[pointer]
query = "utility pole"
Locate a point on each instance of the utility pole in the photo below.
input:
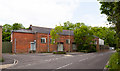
(70, 39)
(48, 42)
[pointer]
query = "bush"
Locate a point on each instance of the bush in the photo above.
(59, 52)
(114, 61)
(45, 52)
(32, 51)
(2, 60)
(118, 50)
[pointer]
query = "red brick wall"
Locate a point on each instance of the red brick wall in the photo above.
(97, 46)
(22, 42)
(52, 47)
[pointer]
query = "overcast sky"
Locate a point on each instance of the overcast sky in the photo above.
(48, 13)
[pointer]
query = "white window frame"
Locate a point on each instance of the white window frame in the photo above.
(68, 41)
(44, 39)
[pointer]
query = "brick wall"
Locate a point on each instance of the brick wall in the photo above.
(97, 46)
(43, 47)
(22, 42)
(0, 42)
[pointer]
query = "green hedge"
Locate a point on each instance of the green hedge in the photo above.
(59, 52)
(114, 62)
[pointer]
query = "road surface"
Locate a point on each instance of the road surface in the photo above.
(56, 62)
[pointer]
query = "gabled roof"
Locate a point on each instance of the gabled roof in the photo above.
(23, 31)
(47, 30)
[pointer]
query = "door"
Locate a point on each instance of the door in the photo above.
(33, 46)
(60, 47)
(74, 47)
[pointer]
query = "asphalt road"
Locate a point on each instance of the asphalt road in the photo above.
(56, 62)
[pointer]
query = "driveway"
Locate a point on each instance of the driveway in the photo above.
(56, 62)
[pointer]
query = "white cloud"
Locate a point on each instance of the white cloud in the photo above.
(45, 13)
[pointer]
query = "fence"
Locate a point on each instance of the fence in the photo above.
(6, 47)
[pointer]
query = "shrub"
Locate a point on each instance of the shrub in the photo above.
(2, 60)
(32, 51)
(59, 52)
(118, 50)
(114, 61)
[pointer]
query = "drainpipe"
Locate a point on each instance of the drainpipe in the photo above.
(48, 42)
(15, 47)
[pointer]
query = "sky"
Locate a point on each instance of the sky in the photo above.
(49, 13)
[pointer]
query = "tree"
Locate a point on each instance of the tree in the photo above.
(6, 33)
(70, 26)
(55, 33)
(112, 10)
(83, 37)
(107, 34)
(17, 26)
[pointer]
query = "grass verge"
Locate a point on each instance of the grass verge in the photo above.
(114, 62)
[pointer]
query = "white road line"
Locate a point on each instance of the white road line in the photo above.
(65, 66)
(83, 59)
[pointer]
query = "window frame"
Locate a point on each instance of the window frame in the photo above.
(43, 39)
(68, 41)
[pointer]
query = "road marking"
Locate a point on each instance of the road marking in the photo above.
(65, 66)
(83, 59)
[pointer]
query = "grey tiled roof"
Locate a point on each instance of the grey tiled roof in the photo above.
(23, 31)
(47, 30)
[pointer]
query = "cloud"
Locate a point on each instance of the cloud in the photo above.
(46, 13)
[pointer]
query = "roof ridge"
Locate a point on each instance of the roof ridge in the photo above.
(42, 27)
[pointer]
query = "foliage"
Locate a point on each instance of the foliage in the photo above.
(83, 37)
(70, 26)
(17, 26)
(114, 62)
(2, 60)
(118, 50)
(112, 10)
(59, 52)
(107, 34)
(55, 33)
(6, 33)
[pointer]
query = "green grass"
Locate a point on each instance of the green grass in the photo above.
(114, 62)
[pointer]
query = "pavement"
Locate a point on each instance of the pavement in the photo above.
(51, 61)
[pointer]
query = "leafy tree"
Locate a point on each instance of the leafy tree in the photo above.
(112, 10)
(55, 33)
(17, 26)
(6, 33)
(107, 34)
(83, 37)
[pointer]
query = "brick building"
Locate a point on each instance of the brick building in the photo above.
(0, 42)
(38, 39)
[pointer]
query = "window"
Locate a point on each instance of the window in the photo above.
(43, 40)
(95, 42)
(68, 41)
(51, 41)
